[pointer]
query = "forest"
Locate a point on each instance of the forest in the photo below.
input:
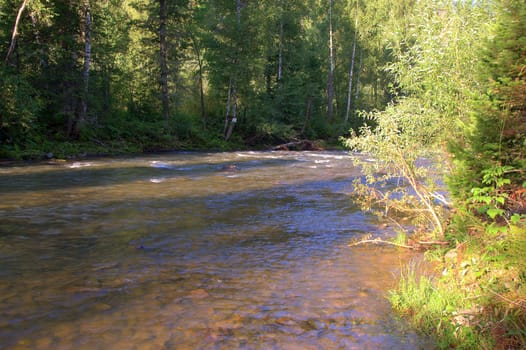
(110, 76)
(401, 80)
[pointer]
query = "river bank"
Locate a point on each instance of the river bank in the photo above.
(82, 150)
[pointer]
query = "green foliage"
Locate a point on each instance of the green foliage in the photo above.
(273, 53)
(19, 109)
(496, 136)
(476, 299)
(433, 74)
(491, 199)
(401, 180)
(447, 92)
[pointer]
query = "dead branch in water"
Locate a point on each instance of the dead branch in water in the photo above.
(380, 241)
(303, 145)
(415, 245)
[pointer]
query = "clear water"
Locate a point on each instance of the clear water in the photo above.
(244, 250)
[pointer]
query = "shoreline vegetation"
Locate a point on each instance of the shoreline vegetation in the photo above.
(471, 126)
(80, 150)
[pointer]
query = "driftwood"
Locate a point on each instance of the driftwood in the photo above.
(302, 145)
(413, 245)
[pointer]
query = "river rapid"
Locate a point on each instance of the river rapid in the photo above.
(238, 250)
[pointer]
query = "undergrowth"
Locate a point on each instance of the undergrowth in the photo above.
(476, 299)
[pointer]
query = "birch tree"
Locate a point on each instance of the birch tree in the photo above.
(231, 117)
(351, 71)
(15, 30)
(330, 78)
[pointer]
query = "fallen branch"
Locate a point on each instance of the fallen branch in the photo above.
(521, 303)
(303, 145)
(415, 245)
(380, 241)
(433, 243)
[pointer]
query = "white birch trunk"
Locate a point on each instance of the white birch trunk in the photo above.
(280, 52)
(330, 80)
(15, 30)
(351, 73)
(351, 70)
(231, 119)
(360, 60)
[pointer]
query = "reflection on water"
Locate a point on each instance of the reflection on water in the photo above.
(192, 251)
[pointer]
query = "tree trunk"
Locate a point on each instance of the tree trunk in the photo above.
(200, 82)
(163, 60)
(280, 53)
(36, 32)
(227, 114)
(360, 60)
(308, 109)
(71, 93)
(239, 6)
(15, 30)
(231, 118)
(87, 60)
(351, 72)
(330, 80)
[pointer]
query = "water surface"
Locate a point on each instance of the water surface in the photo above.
(245, 250)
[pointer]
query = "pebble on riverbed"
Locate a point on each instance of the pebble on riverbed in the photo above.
(230, 167)
(198, 294)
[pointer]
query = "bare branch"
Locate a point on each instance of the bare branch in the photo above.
(380, 241)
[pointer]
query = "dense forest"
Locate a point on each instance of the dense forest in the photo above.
(139, 75)
(405, 81)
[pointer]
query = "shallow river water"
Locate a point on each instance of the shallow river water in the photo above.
(245, 250)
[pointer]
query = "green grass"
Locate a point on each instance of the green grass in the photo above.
(476, 297)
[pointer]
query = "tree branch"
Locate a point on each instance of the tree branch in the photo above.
(380, 241)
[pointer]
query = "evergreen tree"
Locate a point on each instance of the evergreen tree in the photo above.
(496, 137)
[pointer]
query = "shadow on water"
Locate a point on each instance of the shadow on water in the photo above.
(256, 267)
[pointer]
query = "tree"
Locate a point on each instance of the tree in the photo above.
(330, 78)
(494, 142)
(351, 71)
(163, 59)
(87, 61)
(434, 76)
(15, 30)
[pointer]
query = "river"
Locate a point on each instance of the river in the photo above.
(238, 250)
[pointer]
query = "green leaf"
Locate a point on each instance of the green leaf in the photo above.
(502, 182)
(516, 218)
(500, 200)
(495, 229)
(482, 199)
(494, 212)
